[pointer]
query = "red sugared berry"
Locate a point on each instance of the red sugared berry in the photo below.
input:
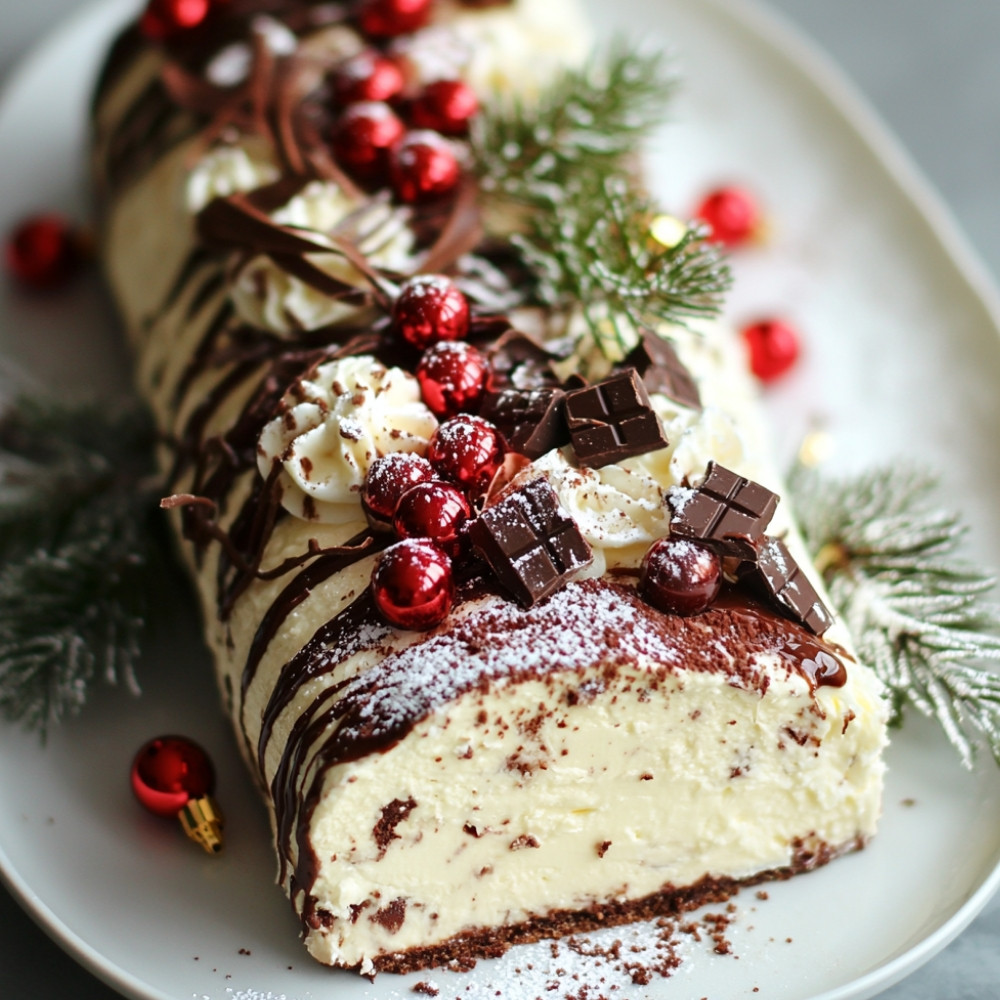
(731, 215)
(412, 584)
(363, 137)
(452, 377)
(467, 450)
(773, 347)
(389, 477)
(432, 510)
(680, 577)
(429, 309)
(368, 76)
(165, 19)
(42, 251)
(388, 18)
(446, 106)
(422, 167)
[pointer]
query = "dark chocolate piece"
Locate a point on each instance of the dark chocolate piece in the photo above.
(612, 420)
(517, 361)
(530, 542)
(726, 510)
(778, 579)
(662, 371)
(532, 420)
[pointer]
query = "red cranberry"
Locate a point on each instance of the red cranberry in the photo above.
(731, 215)
(362, 138)
(164, 19)
(680, 577)
(368, 76)
(412, 584)
(467, 450)
(432, 510)
(429, 309)
(773, 346)
(422, 167)
(388, 18)
(388, 478)
(446, 106)
(43, 251)
(452, 376)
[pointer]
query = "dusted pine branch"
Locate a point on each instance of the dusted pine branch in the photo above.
(78, 537)
(916, 610)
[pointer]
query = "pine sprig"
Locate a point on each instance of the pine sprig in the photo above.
(916, 609)
(78, 541)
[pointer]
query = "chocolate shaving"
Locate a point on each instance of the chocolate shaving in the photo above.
(461, 233)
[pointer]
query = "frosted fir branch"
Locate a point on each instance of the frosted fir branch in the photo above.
(915, 607)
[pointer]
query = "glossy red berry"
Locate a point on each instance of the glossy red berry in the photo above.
(368, 76)
(422, 167)
(452, 377)
(165, 19)
(430, 308)
(363, 137)
(168, 772)
(467, 450)
(412, 584)
(433, 510)
(388, 478)
(773, 348)
(389, 18)
(43, 251)
(679, 576)
(731, 214)
(446, 106)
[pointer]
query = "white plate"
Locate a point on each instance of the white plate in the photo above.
(903, 359)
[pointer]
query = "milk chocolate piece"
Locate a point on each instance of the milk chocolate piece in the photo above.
(727, 511)
(530, 541)
(612, 420)
(532, 420)
(662, 371)
(778, 579)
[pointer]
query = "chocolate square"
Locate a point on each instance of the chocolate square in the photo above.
(530, 542)
(662, 371)
(613, 420)
(533, 421)
(778, 579)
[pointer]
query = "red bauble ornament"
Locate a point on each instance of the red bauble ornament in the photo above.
(43, 251)
(452, 377)
(173, 776)
(165, 19)
(680, 577)
(422, 167)
(467, 450)
(773, 346)
(368, 76)
(435, 511)
(363, 137)
(446, 106)
(429, 309)
(731, 215)
(389, 477)
(389, 18)
(412, 584)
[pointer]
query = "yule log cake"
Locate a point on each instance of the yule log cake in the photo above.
(515, 635)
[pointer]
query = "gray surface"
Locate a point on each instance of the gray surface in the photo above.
(931, 69)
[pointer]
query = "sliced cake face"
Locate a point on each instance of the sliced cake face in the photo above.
(538, 745)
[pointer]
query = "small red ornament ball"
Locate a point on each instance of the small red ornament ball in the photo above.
(452, 377)
(773, 348)
(429, 309)
(368, 76)
(680, 577)
(412, 584)
(388, 478)
(170, 771)
(165, 19)
(468, 451)
(433, 510)
(731, 214)
(363, 137)
(446, 106)
(43, 251)
(389, 18)
(422, 167)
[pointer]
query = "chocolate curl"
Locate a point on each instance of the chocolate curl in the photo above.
(461, 233)
(235, 223)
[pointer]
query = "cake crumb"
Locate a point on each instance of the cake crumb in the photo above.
(428, 989)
